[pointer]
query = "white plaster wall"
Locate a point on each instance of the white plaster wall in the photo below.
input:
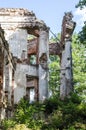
(18, 94)
(31, 70)
(43, 43)
(20, 80)
(17, 40)
(62, 76)
(43, 84)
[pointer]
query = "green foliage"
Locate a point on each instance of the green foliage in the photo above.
(51, 104)
(54, 74)
(77, 126)
(29, 114)
(81, 4)
(54, 69)
(7, 123)
(33, 59)
(56, 120)
(32, 115)
(55, 39)
(19, 127)
(79, 67)
(82, 33)
(67, 115)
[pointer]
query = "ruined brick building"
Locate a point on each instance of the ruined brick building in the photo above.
(24, 78)
(24, 61)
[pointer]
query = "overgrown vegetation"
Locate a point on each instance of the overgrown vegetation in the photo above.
(54, 75)
(82, 33)
(53, 114)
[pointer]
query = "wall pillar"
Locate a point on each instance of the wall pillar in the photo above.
(43, 64)
(3, 89)
(10, 85)
(66, 71)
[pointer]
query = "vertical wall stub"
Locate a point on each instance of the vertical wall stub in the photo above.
(66, 76)
(43, 64)
(66, 71)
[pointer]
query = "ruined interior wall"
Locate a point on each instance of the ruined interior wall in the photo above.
(1, 72)
(20, 79)
(54, 48)
(17, 41)
(32, 46)
(7, 68)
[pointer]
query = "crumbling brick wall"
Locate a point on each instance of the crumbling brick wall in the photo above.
(6, 75)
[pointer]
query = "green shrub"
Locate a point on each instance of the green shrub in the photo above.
(7, 123)
(75, 98)
(56, 120)
(30, 114)
(78, 126)
(65, 113)
(19, 127)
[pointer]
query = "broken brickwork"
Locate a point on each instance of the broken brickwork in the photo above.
(7, 67)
